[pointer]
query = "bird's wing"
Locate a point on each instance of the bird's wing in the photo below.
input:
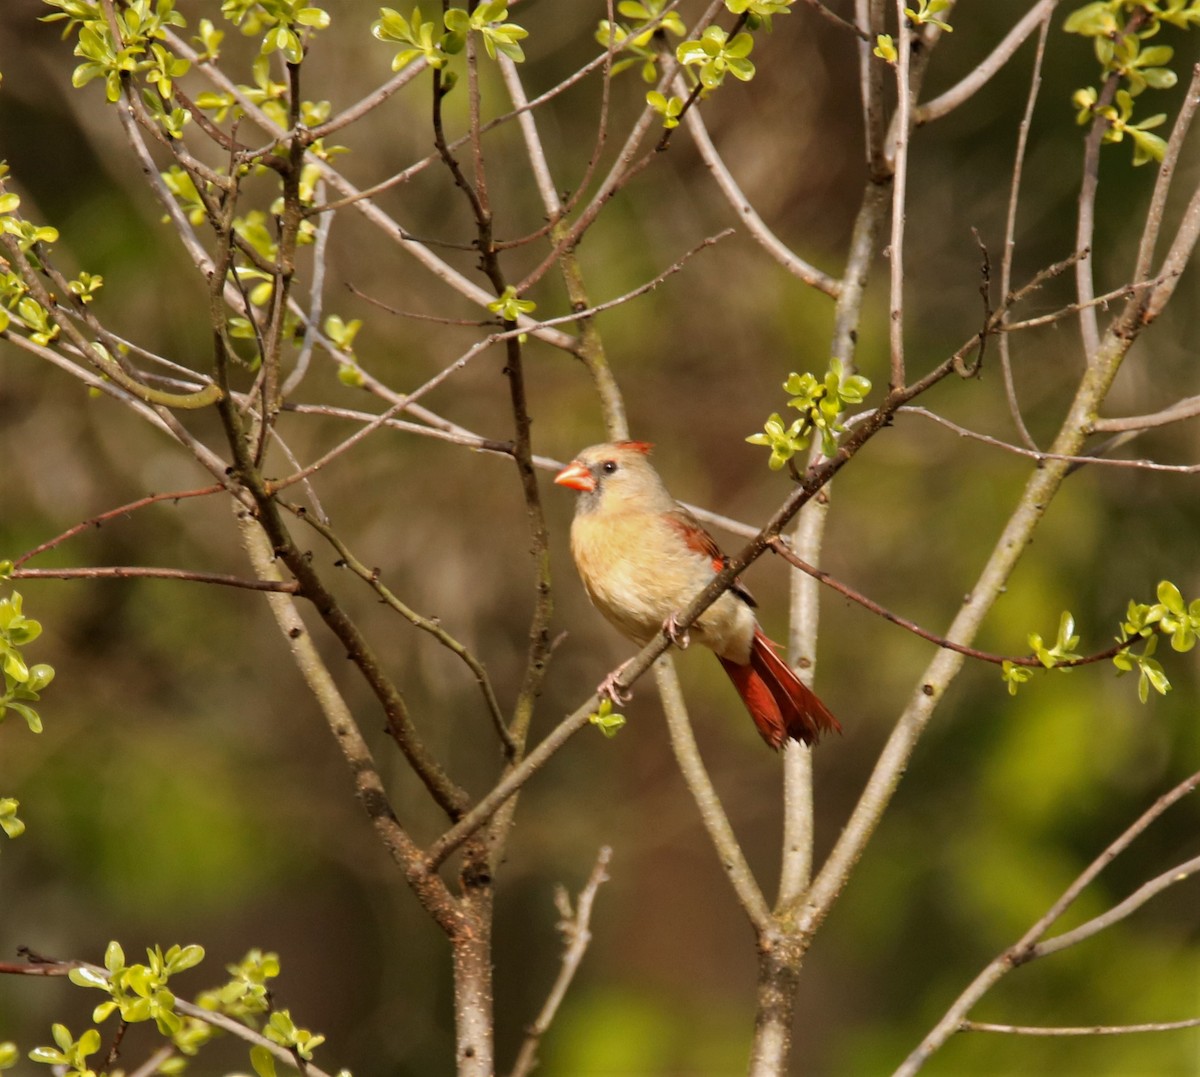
(696, 538)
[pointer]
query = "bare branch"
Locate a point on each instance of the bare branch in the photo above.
(991, 65)
(1085, 1030)
(1166, 173)
(576, 930)
(712, 813)
(142, 572)
(1023, 949)
(1010, 227)
(426, 624)
(1187, 408)
(1118, 912)
(902, 126)
(1074, 459)
(740, 204)
(430, 890)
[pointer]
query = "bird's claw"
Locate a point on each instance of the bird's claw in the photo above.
(680, 637)
(612, 688)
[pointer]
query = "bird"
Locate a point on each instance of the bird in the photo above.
(643, 558)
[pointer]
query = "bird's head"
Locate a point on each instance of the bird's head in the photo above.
(618, 473)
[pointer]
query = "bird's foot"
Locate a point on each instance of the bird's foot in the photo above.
(611, 687)
(682, 638)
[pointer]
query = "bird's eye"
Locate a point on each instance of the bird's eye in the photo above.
(608, 467)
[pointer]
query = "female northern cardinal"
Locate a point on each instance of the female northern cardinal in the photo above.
(643, 557)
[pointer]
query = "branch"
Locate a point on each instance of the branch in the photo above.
(1010, 228)
(712, 813)
(104, 517)
(1039, 491)
(1024, 949)
(902, 125)
(430, 890)
(1118, 912)
(1166, 173)
(1188, 408)
(130, 572)
(1086, 223)
(780, 545)
(983, 72)
(433, 627)
(509, 784)
(1085, 1030)
(387, 226)
(837, 20)
(39, 966)
(740, 204)
(1075, 460)
(100, 360)
(404, 402)
(576, 931)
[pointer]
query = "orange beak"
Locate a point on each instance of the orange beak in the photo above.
(577, 477)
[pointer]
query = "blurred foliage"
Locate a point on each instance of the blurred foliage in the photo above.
(184, 787)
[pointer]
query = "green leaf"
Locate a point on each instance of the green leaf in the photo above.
(1014, 676)
(606, 719)
(263, 1061)
(12, 826)
(509, 306)
(114, 957)
(85, 977)
(1092, 20)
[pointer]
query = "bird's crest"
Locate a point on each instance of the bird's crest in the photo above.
(643, 447)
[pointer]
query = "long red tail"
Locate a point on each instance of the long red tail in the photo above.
(781, 705)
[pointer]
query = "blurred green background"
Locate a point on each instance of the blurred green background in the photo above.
(185, 789)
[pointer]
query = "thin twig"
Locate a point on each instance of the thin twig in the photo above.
(1187, 408)
(426, 624)
(712, 812)
(1084, 1030)
(1166, 173)
(142, 572)
(985, 70)
(103, 517)
(1010, 225)
(1118, 912)
(1074, 459)
(746, 212)
(837, 20)
(781, 546)
(1022, 950)
(576, 929)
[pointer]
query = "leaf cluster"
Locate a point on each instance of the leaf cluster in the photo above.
(436, 42)
(285, 24)
(821, 405)
(23, 683)
(608, 721)
(1119, 30)
(141, 993)
(715, 54)
(1171, 616)
(648, 26)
